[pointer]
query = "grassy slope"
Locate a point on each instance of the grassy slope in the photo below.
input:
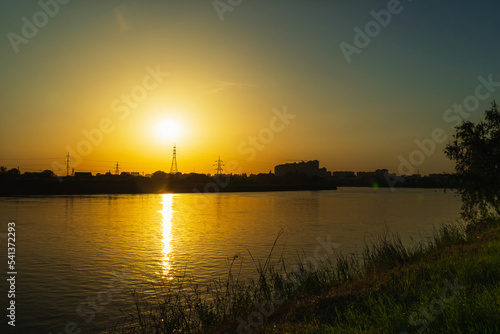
(412, 297)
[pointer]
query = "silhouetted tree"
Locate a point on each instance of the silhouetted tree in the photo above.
(47, 174)
(159, 174)
(476, 152)
(13, 172)
(3, 169)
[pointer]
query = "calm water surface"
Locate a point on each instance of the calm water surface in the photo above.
(73, 251)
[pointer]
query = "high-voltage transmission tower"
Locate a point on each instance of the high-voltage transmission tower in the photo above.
(117, 168)
(219, 165)
(173, 166)
(67, 164)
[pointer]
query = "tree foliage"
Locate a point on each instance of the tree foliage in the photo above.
(47, 174)
(13, 172)
(475, 148)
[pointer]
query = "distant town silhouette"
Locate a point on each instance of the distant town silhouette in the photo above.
(304, 175)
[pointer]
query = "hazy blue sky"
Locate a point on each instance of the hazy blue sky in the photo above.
(226, 77)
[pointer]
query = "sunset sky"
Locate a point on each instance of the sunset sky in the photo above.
(229, 79)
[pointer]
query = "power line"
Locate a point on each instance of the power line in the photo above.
(173, 166)
(219, 165)
(67, 164)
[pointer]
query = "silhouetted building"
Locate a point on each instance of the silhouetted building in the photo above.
(83, 175)
(344, 175)
(309, 168)
(324, 173)
(381, 172)
(414, 177)
(365, 174)
(378, 174)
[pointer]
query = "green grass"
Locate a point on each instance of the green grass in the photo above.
(446, 285)
(412, 296)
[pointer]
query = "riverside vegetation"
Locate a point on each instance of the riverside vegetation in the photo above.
(447, 284)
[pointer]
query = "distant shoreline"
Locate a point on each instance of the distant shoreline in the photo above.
(22, 192)
(118, 187)
(46, 183)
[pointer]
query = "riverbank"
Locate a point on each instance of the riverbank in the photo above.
(449, 284)
(451, 289)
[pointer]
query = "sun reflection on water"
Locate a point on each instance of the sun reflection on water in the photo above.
(167, 214)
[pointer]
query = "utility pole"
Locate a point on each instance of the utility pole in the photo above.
(219, 165)
(173, 166)
(117, 168)
(67, 164)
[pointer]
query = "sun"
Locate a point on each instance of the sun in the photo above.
(169, 129)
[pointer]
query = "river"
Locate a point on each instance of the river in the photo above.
(76, 251)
